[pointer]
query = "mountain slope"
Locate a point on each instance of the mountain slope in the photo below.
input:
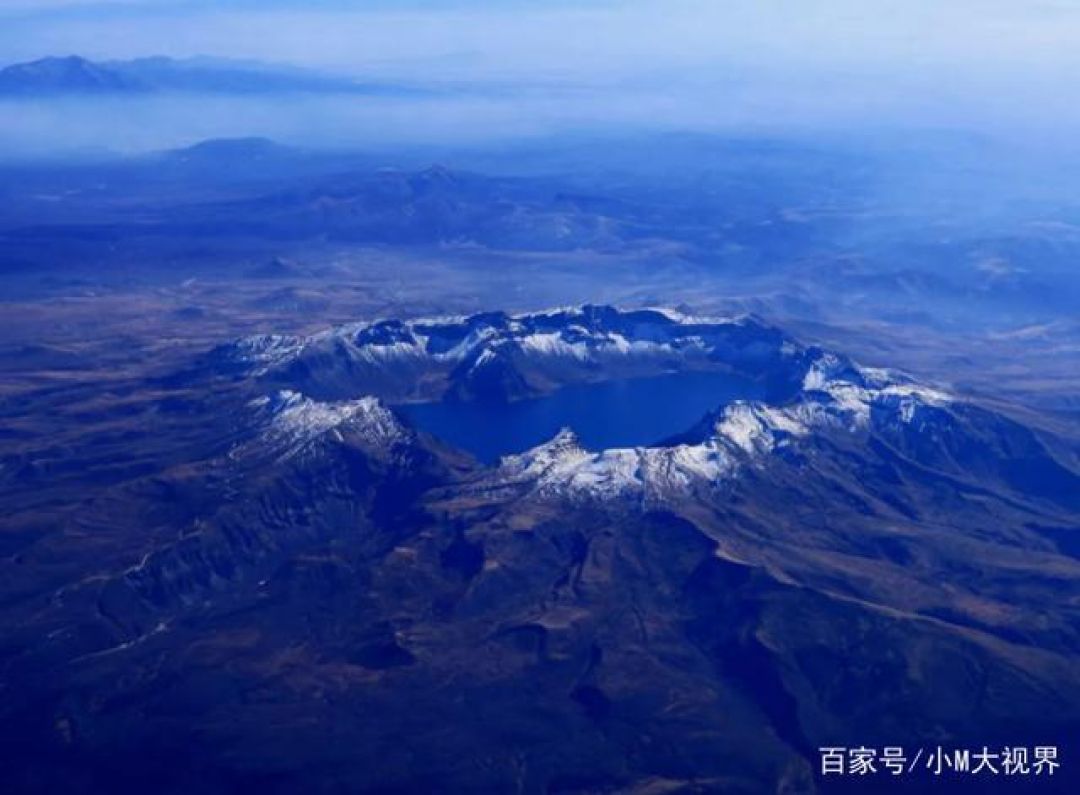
(307, 594)
(74, 75)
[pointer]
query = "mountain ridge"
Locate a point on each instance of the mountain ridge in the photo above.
(75, 75)
(851, 561)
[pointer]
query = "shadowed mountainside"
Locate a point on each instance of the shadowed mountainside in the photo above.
(312, 593)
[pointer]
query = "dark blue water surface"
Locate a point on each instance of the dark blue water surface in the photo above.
(628, 413)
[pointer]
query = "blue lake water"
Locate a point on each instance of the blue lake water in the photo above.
(628, 413)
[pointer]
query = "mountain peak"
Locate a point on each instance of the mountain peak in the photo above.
(243, 147)
(74, 74)
(71, 73)
(296, 420)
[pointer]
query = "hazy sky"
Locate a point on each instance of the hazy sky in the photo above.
(1006, 65)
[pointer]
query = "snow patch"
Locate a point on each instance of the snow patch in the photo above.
(298, 419)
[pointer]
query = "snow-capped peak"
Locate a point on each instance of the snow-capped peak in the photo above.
(262, 352)
(298, 419)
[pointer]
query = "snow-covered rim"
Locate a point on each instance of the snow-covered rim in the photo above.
(833, 392)
(578, 310)
(743, 434)
(270, 346)
(265, 353)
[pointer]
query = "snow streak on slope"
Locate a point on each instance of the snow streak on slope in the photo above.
(739, 436)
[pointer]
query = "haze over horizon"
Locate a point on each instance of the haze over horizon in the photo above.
(510, 70)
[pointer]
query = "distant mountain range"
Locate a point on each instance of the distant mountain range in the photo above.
(74, 75)
(269, 199)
